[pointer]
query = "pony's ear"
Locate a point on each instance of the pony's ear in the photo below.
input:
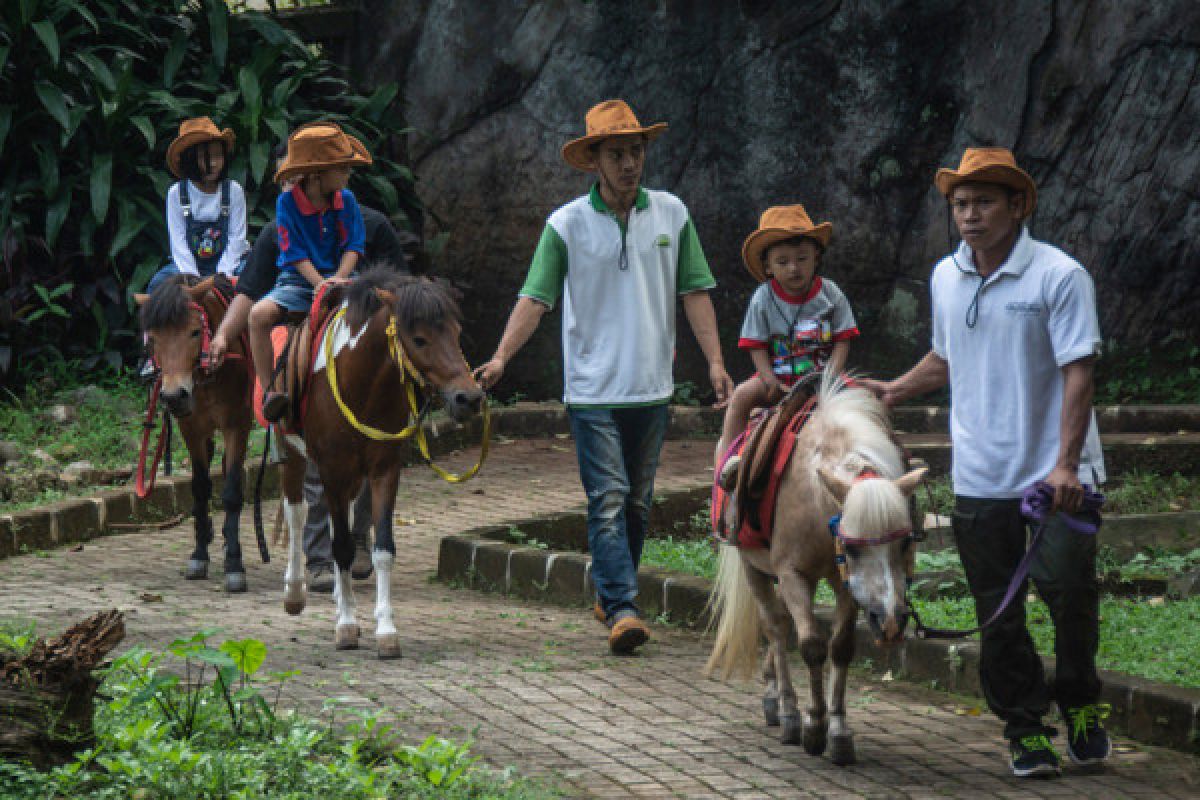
(907, 483)
(199, 290)
(140, 298)
(836, 484)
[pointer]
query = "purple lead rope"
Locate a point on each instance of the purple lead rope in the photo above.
(1037, 506)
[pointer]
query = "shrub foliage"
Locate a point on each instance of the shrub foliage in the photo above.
(91, 94)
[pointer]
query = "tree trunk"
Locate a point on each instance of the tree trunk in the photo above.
(46, 697)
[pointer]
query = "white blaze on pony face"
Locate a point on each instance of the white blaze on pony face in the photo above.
(875, 534)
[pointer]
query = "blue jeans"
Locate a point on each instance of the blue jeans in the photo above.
(618, 452)
(170, 269)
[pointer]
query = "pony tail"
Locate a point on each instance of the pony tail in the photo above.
(733, 611)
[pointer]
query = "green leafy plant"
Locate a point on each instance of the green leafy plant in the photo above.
(163, 732)
(686, 394)
(91, 93)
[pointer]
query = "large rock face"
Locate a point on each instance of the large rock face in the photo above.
(848, 107)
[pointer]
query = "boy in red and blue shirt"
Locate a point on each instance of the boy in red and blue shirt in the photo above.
(321, 236)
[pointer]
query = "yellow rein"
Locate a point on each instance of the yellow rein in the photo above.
(411, 378)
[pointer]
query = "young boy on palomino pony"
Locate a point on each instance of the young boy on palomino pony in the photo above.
(321, 236)
(797, 324)
(618, 256)
(1015, 334)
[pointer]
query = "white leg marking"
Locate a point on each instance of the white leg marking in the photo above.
(343, 593)
(293, 576)
(384, 624)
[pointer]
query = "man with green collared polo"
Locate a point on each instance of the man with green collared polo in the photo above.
(618, 257)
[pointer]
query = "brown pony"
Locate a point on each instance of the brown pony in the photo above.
(394, 330)
(179, 318)
(846, 460)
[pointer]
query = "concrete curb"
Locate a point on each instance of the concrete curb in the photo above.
(484, 558)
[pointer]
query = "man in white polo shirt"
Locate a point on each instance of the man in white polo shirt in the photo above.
(618, 256)
(1015, 334)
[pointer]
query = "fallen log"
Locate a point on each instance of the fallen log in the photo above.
(47, 696)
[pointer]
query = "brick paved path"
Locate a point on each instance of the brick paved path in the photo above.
(534, 686)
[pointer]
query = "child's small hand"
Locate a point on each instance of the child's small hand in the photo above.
(216, 350)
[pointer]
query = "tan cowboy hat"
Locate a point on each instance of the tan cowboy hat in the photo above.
(778, 224)
(989, 165)
(195, 131)
(604, 120)
(320, 145)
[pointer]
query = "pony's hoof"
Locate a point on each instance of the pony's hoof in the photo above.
(389, 645)
(197, 570)
(361, 568)
(791, 728)
(814, 739)
(841, 750)
(771, 710)
(235, 582)
(346, 637)
(293, 598)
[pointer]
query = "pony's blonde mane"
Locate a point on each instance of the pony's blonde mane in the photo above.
(859, 420)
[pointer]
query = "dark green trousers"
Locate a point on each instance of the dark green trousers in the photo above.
(992, 537)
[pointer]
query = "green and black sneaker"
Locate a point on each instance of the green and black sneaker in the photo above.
(1034, 757)
(1087, 741)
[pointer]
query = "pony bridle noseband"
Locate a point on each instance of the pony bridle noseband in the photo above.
(841, 540)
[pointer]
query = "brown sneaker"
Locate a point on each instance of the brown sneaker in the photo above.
(274, 406)
(598, 613)
(627, 634)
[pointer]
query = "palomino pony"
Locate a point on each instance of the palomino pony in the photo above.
(179, 318)
(391, 334)
(845, 459)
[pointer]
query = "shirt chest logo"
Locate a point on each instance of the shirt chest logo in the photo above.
(1023, 308)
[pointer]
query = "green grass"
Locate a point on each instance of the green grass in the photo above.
(1155, 640)
(689, 556)
(105, 431)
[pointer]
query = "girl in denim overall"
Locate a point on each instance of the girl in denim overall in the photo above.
(206, 211)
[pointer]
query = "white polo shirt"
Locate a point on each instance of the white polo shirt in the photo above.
(618, 283)
(1032, 316)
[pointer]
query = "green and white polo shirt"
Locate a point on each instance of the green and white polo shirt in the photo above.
(618, 285)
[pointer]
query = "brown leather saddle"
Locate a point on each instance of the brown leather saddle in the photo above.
(758, 454)
(293, 365)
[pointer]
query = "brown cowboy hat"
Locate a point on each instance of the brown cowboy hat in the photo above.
(195, 131)
(604, 120)
(320, 145)
(989, 165)
(778, 224)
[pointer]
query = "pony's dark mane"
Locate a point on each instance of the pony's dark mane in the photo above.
(169, 305)
(419, 301)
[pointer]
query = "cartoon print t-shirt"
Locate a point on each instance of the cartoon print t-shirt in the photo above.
(797, 331)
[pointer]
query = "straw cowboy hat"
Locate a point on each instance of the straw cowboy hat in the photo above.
(989, 165)
(320, 145)
(778, 224)
(195, 131)
(610, 118)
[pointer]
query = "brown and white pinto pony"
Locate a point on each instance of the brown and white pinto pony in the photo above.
(371, 383)
(846, 461)
(178, 319)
